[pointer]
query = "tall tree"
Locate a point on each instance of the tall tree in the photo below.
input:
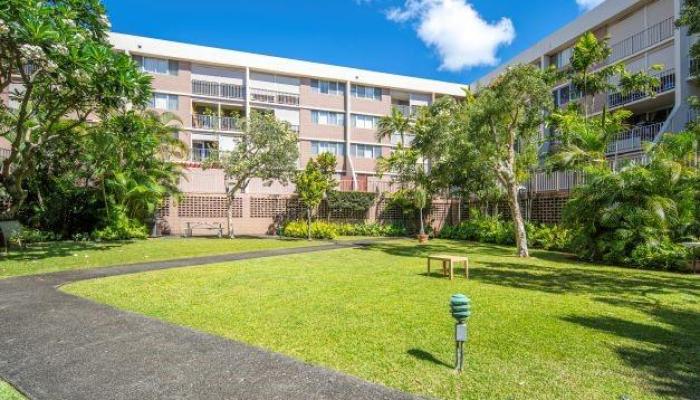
(59, 54)
(395, 123)
(505, 120)
(268, 151)
(314, 183)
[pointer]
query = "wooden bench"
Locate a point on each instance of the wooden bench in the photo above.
(190, 226)
(449, 262)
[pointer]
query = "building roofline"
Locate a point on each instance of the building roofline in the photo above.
(287, 66)
(603, 13)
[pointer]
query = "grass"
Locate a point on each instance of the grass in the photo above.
(546, 327)
(7, 392)
(58, 256)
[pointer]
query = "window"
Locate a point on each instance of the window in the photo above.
(366, 92)
(327, 118)
(164, 101)
(327, 87)
(157, 65)
(335, 148)
(365, 121)
(365, 151)
(562, 59)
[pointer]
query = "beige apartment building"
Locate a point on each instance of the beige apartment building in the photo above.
(334, 109)
(641, 34)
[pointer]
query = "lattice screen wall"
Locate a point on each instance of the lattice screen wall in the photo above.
(208, 206)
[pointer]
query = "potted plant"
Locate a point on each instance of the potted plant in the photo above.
(420, 201)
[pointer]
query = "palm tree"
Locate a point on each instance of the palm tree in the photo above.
(396, 123)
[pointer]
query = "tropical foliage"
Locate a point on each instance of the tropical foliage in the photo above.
(313, 183)
(637, 216)
(504, 123)
(109, 178)
(66, 66)
(267, 152)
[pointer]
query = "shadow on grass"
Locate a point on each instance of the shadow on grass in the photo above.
(425, 356)
(40, 251)
(669, 357)
(583, 280)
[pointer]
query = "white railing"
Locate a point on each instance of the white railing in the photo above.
(217, 89)
(406, 110)
(214, 123)
(555, 181)
(634, 138)
(201, 154)
(641, 40)
(274, 97)
(667, 80)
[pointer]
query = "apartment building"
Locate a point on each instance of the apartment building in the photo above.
(334, 109)
(641, 34)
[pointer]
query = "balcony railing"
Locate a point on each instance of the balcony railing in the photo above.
(216, 89)
(633, 139)
(201, 154)
(641, 40)
(406, 110)
(667, 80)
(370, 186)
(214, 123)
(555, 181)
(274, 97)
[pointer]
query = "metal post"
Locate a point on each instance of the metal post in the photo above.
(460, 306)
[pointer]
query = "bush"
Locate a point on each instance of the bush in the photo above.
(488, 229)
(29, 235)
(121, 227)
(665, 255)
(331, 230)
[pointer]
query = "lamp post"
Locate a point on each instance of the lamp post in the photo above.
(460, 307)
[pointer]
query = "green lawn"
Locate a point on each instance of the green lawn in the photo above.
(542, 328)
(58, 256)
(7, 392)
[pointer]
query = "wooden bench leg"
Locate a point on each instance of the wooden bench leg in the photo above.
(452, 270)
(466, 268)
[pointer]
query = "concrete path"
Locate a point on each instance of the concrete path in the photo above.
(57, 346)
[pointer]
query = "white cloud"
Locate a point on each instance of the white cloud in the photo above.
(462, 38)
(588, 4)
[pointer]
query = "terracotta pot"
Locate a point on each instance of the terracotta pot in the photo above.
(423, 238)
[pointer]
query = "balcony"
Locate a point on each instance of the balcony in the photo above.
(274, 97)
(201, 154)
(667, 80)
(556, 181)
(642, 40)
(216, 89)
(633, 139)
(214, 123)
(406, 110)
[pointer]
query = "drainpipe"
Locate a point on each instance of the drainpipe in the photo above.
(348, 122)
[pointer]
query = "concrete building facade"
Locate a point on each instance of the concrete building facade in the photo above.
(333, 109)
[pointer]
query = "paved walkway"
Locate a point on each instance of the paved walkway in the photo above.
(57, 346)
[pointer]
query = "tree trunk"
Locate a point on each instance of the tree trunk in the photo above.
(308, 223)
(520, 234)
(422, 227)
(229, 217)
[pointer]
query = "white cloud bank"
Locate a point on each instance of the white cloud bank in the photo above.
(462, 38)
(588, 4)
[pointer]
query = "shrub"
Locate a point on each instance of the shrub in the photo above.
(29, 235)
(665, 255)
(121, 227)
(331, 230)
(491, 229)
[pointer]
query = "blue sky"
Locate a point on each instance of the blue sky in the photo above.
(452, 40)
